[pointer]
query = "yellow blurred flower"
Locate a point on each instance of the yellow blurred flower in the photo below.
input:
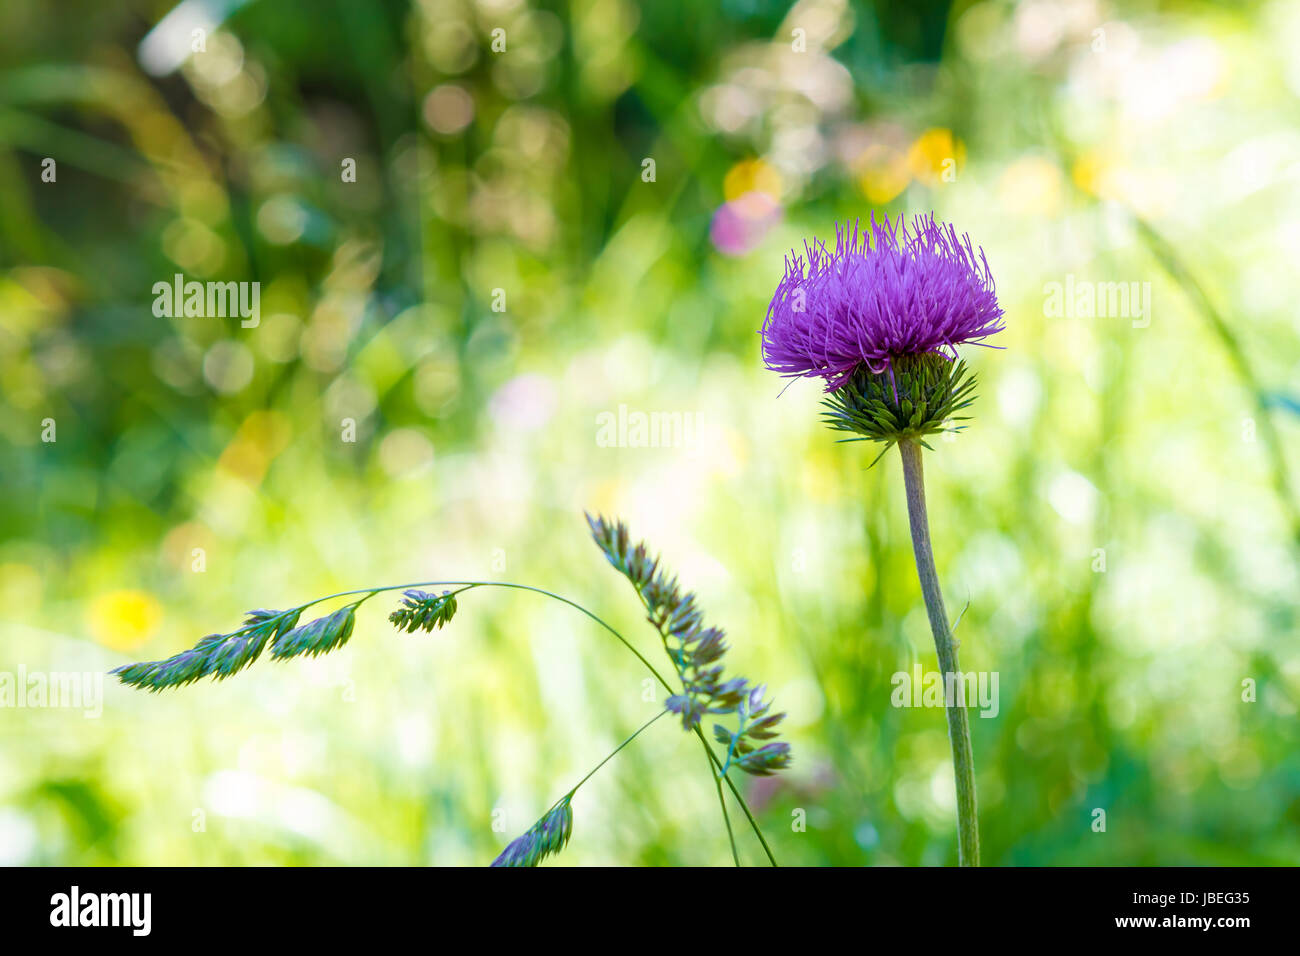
(1031, 186)
(937, 157)
(1092, 173)
(123, 620)
(261, 437)
(751, 176)
(884, 174)
(1149, 192)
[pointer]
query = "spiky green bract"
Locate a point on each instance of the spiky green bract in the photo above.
(218, 655)
(548, 835)
(695, 650)
(319, 637)
(916, 396)
(422, 611)
(755, 724)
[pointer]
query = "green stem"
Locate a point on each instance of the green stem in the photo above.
(467, 585)
(1182, 275)
(613, 753)
(753, 824)
(963, 761)
(726, 818)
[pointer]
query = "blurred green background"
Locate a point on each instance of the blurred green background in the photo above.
(506, 273)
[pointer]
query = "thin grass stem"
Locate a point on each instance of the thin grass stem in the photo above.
(612, 754)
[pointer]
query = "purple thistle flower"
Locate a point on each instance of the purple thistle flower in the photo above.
(882, 294)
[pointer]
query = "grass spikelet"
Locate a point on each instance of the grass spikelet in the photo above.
(422, 611)
(319, 637)
(217, 655)
(696, 652)
(548, 835)
(755, 724)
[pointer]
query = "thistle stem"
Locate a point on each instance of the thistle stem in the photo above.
(963, 761)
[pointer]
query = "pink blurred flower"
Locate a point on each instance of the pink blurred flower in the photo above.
(740, 225)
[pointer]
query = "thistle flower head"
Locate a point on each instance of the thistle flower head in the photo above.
(880, 319)
(891, 291)
(548, 835)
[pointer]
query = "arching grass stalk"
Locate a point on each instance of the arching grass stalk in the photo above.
(695, 653)
(717, 768)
